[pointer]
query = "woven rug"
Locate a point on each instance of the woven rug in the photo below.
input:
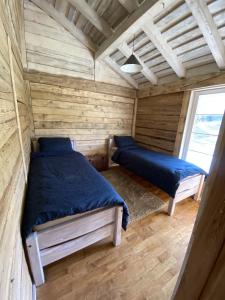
(140, 201)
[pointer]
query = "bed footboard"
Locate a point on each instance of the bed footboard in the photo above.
(57, 241)
(190, 186)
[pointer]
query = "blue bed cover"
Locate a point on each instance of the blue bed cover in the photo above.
(63, 184)
(164, 171)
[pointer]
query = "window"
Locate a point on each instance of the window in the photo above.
(204, 118)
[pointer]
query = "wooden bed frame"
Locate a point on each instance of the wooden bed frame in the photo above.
(56, 239)
(190, 186)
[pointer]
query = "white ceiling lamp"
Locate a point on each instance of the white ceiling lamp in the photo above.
(132, 64)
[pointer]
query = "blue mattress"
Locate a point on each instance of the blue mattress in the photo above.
(162, 170)
(63, 184)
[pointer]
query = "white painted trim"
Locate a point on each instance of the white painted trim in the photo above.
(188, 124)
(34, 292)
(191, 115)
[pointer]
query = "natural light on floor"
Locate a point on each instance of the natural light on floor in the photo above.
(205, 130)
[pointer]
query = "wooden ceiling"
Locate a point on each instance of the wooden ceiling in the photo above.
(172, 39)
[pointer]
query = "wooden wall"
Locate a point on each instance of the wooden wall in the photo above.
(52, 49)
(15, 282)
(80, 109)
(157, 121)
(162, 110)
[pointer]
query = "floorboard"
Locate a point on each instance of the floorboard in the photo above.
(144, 266)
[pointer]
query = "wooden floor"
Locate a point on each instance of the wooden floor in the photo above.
(144, 266)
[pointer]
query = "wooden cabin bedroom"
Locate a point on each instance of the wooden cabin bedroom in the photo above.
(112, 149)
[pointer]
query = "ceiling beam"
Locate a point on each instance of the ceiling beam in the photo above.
(113, 65)
(145, 70)
(209, 30)
(92, 16)
(146, 11)
(155, 35)
(62, 20)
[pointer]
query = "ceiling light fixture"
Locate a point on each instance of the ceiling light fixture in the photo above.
(132, 64)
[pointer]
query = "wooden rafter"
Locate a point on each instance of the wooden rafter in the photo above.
(62, 20)
(113, 65)
(138, 18)
(145, 70)
(154, 34)
(209, 30)
(92, 16)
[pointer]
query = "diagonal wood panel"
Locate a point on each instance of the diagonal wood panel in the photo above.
(209, 30)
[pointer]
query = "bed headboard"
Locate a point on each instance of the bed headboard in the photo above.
(111, 149)
(35, 145)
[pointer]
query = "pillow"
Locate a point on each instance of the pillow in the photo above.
(124, 141)
(55, 144)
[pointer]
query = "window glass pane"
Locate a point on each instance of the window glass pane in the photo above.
(207, 124)
(211, 104)
(202, 143)
(199, 159)
(204, 133)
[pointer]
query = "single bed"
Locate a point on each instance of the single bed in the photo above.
(69, 206)
(177, 177)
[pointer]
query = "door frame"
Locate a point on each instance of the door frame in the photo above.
(202, 274)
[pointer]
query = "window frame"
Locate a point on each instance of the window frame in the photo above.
(192, 108)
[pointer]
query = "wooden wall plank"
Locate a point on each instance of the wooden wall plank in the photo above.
(13, 109)
(195, 81)
(79, 84)
(89, 115)
(157, 121)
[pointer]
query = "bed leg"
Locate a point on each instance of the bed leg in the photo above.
(35, 259)
(118, 226)
(171, 206)
(197, 196)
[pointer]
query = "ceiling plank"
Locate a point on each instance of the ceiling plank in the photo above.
(92, 16)
(146, 11)
(62, 20)
(113, 65)
(62, 6)
(129, 5)
(145, 70)
(209, 30)
(155, 35)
